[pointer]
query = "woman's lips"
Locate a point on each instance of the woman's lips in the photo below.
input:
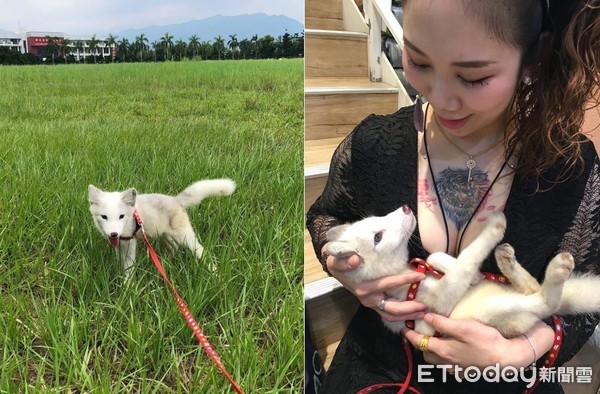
(452, 123)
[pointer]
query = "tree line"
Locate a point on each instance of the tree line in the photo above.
(63, 50)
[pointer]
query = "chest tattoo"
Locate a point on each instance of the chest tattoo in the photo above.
(460, 196)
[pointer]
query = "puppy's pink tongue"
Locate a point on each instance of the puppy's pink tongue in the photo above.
(114, 242)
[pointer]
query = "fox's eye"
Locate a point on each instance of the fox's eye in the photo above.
(377, 237)
(104, 217)
(121, 216)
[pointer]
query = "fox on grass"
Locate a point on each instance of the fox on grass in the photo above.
(164, 217)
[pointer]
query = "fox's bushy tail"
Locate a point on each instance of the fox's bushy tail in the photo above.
(581, 294)
(195, 193)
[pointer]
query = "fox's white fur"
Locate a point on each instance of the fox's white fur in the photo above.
(164, 217)
(382, 245)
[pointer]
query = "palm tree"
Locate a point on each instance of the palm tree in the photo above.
(233, 44)
(167, 41)
(64, 47)
(51, 47)
(206, 50)
(140, 42)
(254, 42)
(123, 49)
(80, 46)
(219, 45)
(111, 41)
(155, 47)
(245, 48)
(93, 43)
(194, 45)
(180, 47)
(287, 45)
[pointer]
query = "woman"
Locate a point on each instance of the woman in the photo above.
(506, 83)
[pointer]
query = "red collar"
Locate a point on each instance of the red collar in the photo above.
(423, 266)
(138, 226)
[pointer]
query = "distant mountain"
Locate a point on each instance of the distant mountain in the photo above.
(245, 26)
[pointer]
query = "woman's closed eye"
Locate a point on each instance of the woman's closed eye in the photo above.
(418, 67)
(474, 83)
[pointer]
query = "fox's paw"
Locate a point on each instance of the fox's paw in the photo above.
(505, 257)
(496, 223)
(560, 268)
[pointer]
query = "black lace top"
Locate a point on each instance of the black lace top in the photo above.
(374, 171)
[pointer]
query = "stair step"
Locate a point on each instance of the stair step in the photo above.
(323, 14)
(313, 272)
(345, 85)
(328, 318)
(333, 53)
(330, 115)
(318, 153)
(313, 187)
(317, 156)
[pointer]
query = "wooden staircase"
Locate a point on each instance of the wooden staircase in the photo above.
(338, 94)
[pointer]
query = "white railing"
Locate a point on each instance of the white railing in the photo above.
(379, 18)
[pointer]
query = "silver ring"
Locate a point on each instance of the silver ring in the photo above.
(383, 301)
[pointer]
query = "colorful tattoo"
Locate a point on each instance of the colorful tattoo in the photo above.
(459, 196)
(424, 195)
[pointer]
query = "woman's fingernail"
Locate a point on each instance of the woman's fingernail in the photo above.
(428, 318)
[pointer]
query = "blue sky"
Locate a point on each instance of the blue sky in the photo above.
(86, 17)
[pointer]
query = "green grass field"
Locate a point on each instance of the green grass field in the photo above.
(67, 322)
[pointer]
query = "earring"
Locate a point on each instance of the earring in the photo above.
(418, 116)
(527, 80)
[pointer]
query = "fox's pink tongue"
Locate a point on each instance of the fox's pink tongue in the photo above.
(114, 242)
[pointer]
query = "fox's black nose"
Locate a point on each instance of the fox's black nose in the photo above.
(114, 235)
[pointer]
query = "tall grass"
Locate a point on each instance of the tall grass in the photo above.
(67, 321)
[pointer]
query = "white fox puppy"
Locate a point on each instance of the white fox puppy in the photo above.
(382, 245)
(164, 217)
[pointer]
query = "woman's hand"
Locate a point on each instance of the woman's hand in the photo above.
(470, 343)
(370, 293)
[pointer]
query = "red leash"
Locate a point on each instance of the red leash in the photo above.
(422, 266)
(185, 311)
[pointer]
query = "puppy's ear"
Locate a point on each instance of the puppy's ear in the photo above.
(335, 232)
(128, 196)
(93, 194)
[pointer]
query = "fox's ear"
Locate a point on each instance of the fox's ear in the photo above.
(93, 193)
(335, 232)
(128, 196)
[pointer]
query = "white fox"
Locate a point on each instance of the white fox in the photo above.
(382, 245)
(164, 217)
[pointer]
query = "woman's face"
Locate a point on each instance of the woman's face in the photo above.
(467, 75)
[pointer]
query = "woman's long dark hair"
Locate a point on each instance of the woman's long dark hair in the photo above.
(547, 115)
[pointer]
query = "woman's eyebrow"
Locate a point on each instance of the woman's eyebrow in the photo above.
(413, 47)
(465, 64)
